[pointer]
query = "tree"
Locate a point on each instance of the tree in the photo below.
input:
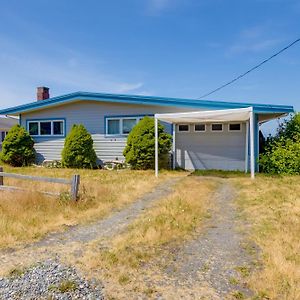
(282, 152)
(17, 147)
(78, 151)
(140, 149)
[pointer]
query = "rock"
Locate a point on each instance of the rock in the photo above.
(49, 280)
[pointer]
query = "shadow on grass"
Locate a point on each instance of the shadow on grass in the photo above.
(220, 173)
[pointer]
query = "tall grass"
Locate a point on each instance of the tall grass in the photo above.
(272, 205)
(25, 216)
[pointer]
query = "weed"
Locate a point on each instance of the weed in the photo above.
(16, 272)
(67, 286)
(123, 279)
(238, 295)
(149, 291)
(243, 270)
(205, 267)
(233, 281)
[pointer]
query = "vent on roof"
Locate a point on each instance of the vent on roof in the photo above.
(42, 93)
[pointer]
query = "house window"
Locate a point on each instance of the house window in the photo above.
(120, 126)
(235, 127)
(3, 135)
(127, 125)
(217, 127)
(33, 128)
(183, 128)
(200, 127)
(46, 127)
(113, 126)
(58, 127)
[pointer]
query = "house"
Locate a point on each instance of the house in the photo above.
(5, 124)
(209, 134)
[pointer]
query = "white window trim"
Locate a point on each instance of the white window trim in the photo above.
(199, 131)
(240, 130)
(52, 126)
(211, 129)
(183, 131)
(120, 119)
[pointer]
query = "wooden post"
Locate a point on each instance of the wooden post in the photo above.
(1, 177)
(75, 187)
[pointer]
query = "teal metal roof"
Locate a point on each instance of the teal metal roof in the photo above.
(143, 100)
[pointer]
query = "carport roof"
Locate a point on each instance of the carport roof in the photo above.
(224, 115)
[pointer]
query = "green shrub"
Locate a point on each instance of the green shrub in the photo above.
(140, 149)
(17, 147)
(282, 152)
(78, 150)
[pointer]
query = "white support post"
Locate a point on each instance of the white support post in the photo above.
(257, 149)
(156, 145)
(247, 147)
(252, 156)
(174, 146)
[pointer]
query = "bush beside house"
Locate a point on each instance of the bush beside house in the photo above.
(140, 149)
(282, 152)
(78, 151)
(17, 147)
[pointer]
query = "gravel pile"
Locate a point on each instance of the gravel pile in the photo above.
(48, 280)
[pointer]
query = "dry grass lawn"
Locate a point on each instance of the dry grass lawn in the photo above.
(171, 221)
(272, 206)
(26, 216)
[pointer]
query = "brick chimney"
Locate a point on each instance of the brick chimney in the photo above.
(42, 93)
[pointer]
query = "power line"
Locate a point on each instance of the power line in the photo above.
(252, 69)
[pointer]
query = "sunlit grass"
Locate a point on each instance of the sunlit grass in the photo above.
(272, 207)
(173, 220)
(28, 215)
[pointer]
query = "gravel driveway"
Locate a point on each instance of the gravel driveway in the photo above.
(43, 257)
(208, 265)
(205, 267)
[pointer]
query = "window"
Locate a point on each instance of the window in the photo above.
(200, 128)
(58, 127)
(33, 128)
(120, 126)
(183, 128)
(113, 126)
(128, 124)
(46, 128)
(216, 127)
(3, 135)
(235, 127)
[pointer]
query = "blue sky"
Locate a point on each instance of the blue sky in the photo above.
(180, 48)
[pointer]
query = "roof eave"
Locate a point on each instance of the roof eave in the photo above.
(144, 100)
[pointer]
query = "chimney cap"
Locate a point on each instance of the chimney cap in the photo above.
(42, 88)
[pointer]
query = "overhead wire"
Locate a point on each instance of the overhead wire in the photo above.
(250, 70)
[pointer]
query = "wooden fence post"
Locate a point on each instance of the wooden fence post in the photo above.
(1, 177)
(75, 187)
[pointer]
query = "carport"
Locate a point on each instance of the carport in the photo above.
(7, 122)
(245, 115)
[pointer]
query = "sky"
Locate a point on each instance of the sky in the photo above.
(174, 48)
